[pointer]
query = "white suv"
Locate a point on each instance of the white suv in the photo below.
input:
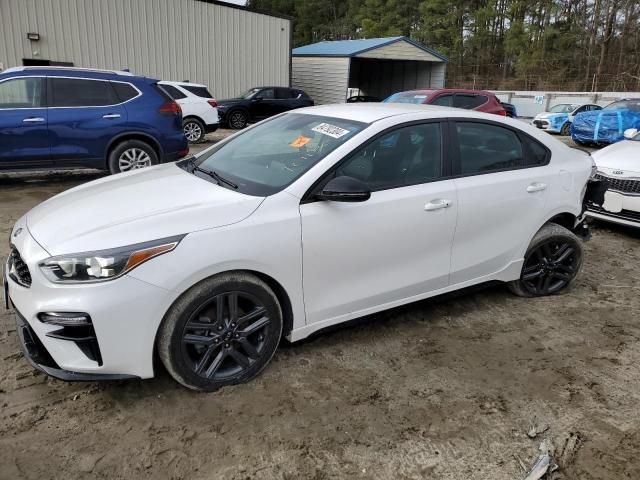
(303, 221)
(199, 108)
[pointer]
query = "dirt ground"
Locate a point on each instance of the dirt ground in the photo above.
(442, 389)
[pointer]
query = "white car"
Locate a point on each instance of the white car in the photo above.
(199, 108)
(302, 221)
(559, 117)
(619, 166)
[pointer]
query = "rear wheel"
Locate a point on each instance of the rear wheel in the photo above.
(194, 130)
(237, 119)
(565, 129)
(551, 263)
(131, 155)
(222, 331)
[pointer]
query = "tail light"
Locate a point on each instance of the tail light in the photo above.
(213, 103)
(170, 108)
(502, 113)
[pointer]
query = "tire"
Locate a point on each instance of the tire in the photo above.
(131, 155)
(194, 130)
(205, 353)
(552, 262)
(565, 129)
(580, 143)
(237, 119)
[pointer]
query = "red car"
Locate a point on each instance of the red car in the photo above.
(479, 100)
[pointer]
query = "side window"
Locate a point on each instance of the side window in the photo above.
(584, 108)
(23, 92)
(75, 92)
(124, 91)
(406, 156)
(173, 91)
(267, 93)
(202, 92)
(469, 101)
(485, 148)
(285, 93)
(443, 100)
(536, 153)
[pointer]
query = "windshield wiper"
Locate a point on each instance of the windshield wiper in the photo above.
(213, 174)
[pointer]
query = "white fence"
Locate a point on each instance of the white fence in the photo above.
(529, 104)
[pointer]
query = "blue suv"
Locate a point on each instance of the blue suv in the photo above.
(61, 117)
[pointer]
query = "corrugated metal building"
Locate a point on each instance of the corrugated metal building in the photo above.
(377, 67)
(227, 47)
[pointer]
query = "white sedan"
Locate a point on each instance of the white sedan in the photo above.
(619, 166)
(303, 221)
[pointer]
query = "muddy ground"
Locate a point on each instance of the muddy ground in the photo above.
(442, 389)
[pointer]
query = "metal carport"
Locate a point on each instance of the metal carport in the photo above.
(374, 66)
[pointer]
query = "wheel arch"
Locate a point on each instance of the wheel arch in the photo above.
(123, 137)
(195, 117)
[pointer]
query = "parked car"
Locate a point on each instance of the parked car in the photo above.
(259, 103)
(304, 221)
(619, 166)
(362, 99)
(62, 117)
(199, 108)
(559, 117)
(510, 109)
(608, 125)
(479, 100)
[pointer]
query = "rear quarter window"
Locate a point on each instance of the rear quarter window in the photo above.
(124, 91)
(202, 92)
(173, 91)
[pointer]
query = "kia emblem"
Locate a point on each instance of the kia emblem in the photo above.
(618, 172)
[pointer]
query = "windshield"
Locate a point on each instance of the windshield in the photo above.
(563, 108)
(266, 158)
(625, 105)
(407, 97)
(250, 93)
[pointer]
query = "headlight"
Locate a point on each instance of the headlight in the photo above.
(90, 267)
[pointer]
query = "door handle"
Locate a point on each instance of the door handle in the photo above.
(111, 115)
(536, 187)
(437, 205)
(33, 120)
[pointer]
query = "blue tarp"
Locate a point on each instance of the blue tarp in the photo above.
(603, 126)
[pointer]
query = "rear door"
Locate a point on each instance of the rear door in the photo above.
(264, 104)
(503, 185)
(84, 116)
(24, 138)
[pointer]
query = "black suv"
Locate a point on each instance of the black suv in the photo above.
(259, 103)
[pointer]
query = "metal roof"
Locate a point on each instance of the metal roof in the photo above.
(351, 48)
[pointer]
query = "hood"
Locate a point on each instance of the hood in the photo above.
(228, 102)
(624, 156)
(135, 207)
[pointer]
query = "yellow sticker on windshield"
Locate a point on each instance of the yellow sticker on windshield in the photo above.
(300, 142)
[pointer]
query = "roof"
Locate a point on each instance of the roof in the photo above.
(351, 48)
(66, 69)
(247, 9)
(372, 112)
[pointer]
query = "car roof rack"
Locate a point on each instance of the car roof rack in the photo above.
(74, 69)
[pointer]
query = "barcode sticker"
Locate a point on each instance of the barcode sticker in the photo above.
(330, 130)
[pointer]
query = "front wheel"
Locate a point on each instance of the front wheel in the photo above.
(238, 119)
(222, 331)
(551, 263)
(565, 129)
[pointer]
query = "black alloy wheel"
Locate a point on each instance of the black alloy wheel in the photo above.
(222, 331)
(550, 267)
(226, 335)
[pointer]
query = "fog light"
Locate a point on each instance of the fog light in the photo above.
(65, 319)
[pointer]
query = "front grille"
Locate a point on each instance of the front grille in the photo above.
(18, 270)
(623, 185)
(629, 215)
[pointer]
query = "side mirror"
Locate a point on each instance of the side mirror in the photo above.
(630, 133)
(256, 99)
(345, 189)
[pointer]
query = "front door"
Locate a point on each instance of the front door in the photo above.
(263, 104)
(24, 138)
(84, 116)
(360, 257)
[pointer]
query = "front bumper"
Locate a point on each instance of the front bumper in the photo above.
(125, 315)
(618, 208)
